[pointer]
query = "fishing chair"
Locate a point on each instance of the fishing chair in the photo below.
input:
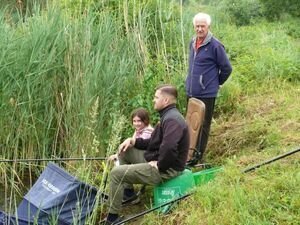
(194, 119)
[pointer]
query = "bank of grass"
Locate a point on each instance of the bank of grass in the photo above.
(268, 119)
(264, 125)
(268, 195)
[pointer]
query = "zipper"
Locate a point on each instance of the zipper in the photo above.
(195, 53)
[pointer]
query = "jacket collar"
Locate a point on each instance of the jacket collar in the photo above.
(165, 110)
(207, 39)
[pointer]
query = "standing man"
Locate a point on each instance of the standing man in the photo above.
(209, 68)
(165, 155)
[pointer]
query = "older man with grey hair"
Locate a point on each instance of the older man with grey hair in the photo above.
(209, 68)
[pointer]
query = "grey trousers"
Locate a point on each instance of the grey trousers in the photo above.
(141, 173)
(132, 156)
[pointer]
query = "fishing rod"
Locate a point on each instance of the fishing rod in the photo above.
(186, 195)
(153, 209)
(51, 159)
(270, 161)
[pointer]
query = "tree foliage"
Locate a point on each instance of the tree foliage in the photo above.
(273, 9)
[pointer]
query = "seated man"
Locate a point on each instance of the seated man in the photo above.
(165, 155)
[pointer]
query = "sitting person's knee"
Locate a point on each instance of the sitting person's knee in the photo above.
(118, 171)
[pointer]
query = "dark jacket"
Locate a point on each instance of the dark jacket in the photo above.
(169, 142)
(209, 67)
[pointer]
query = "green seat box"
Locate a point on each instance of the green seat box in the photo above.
(204, 176)
(173, 189)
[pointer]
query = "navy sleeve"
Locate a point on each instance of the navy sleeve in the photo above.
(223, 63)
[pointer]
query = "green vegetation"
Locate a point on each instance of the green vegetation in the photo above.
(71, 73)
(267, 196)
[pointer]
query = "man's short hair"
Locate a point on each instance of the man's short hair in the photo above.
(202, 16)
(168, 89)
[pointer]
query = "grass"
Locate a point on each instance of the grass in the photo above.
(269, 119)
(267, 196)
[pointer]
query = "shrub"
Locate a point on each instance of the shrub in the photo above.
(274, 9)
(240, 12)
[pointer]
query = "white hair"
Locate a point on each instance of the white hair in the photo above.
(202, 16)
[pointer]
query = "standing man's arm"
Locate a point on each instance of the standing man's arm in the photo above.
(223, 64)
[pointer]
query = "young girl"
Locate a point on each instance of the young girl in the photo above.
(141, 122)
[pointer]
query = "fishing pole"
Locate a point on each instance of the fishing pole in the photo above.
(270, 161)
(50, 159)
(186, 195)
(153, 209)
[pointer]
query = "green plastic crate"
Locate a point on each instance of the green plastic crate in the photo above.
(180, 185)
(204, 176)
(173, 189)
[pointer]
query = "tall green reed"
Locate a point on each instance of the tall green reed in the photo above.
(53, 69)
(55, 64)
(64, 76)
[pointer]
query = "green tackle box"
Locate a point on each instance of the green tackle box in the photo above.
(204, 176)
(180, 185)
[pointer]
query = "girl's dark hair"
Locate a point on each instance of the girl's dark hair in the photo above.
(142, 114)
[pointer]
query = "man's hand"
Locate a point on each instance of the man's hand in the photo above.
(113, 157)
(153, 164)
(129, 142)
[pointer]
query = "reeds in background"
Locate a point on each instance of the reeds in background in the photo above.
(67, 76)
(57, 61)
(53, 68)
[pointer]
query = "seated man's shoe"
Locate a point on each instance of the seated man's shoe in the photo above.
(111, 219)
(130, 197)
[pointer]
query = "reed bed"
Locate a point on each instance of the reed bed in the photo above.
(68, 77)
(56, 64)
(53, 70)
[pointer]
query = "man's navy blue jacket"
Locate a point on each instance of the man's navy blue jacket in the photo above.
(209, 67)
